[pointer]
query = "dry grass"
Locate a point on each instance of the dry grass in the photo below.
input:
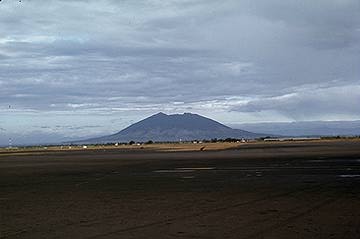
(165, 147)
(168, 147)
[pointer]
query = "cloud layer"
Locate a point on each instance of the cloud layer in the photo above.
(237, 61)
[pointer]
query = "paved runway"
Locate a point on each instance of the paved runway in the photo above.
(281, 190)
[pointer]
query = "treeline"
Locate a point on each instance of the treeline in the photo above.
(214, 140)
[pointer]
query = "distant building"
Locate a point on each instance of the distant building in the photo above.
(292, 139)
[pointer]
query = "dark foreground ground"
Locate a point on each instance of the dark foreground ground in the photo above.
(281, 190)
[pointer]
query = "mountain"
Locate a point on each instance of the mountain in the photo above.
(162, 127)
(305, 128)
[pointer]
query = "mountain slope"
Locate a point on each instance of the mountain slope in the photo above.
(185, 127)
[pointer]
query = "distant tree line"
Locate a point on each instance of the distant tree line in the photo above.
(214, 140)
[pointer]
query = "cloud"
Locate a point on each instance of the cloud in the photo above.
(233, 57)
(320, 103)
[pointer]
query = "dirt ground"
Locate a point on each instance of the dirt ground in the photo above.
(262, 190)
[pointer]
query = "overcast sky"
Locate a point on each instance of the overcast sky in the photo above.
(80, 68)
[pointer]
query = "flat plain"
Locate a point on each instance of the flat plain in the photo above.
(255, 190)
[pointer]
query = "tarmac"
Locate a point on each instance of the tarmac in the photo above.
(265, 190)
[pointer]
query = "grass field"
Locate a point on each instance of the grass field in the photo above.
(176, 147)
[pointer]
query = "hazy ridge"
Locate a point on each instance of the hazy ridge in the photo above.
(305, 128)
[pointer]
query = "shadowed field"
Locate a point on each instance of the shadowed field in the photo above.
(260, 190)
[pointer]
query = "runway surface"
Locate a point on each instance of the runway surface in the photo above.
(270, 190)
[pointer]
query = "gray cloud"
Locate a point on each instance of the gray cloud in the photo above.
(306, 103)
(241, 57)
